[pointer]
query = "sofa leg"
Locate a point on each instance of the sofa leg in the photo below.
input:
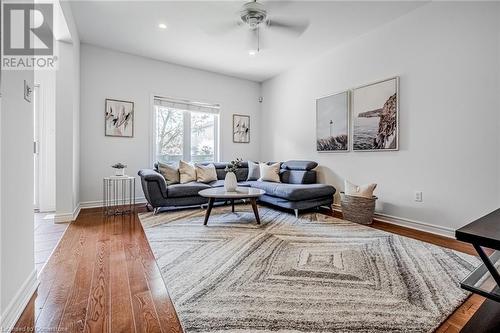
(156, 210)
(296, 213)
(148, 207)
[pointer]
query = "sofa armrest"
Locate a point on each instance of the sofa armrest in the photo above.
(150, 174)
(153, 183)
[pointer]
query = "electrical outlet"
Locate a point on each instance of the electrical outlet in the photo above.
(418, 196)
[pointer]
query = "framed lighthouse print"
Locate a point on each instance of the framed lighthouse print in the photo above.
(332, 123)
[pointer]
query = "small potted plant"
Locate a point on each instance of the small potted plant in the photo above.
(230, 182)
(119, 169)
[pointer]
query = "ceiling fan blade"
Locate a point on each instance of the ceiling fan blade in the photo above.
(220, 28)
(271, 5)
(293, 26)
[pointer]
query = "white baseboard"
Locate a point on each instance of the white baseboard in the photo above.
(98, 203)
(67, 217)
(412, 224)
(16, 306)
(47, 209)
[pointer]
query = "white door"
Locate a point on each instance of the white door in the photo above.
(36, 146)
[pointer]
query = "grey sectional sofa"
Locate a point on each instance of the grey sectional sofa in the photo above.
(298, 189)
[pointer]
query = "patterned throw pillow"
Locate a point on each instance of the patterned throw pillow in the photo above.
(187, 172)
(205, 173)
(170, 172)
(270, 173)
(365, 191)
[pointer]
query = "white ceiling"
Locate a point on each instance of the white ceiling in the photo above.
(132, 27)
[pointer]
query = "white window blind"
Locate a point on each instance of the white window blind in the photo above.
(187, 105)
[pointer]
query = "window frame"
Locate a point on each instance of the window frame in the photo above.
(186, 151)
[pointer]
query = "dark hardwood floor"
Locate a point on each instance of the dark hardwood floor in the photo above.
(103, 277)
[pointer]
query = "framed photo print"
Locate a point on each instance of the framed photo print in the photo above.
(119, 118)
(241, 128)
(332, 123)
(375, 116)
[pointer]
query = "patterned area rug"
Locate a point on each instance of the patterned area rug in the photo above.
(311, 274)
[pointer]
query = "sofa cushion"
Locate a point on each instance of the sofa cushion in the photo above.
(299, 165)
(170, 172)
(298, 176)
(299, 204)
(270, 173)
(223, 165)
(253, 171)
(205, 173)
(241, 173)
(217, 183)
(187, 172)
(185, 190)
(220, 183)
(294, 192)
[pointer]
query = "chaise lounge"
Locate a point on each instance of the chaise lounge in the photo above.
(297, 190)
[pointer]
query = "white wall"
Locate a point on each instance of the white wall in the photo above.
(47, 152)
(447, 55)
(68, 123)
(64, 131)
(17, 275)
(109, 74)
(76, 125)
(75, 91)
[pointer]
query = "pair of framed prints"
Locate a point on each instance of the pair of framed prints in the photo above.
(362, 119)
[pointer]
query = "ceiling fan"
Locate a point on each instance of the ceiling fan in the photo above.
(255, 17)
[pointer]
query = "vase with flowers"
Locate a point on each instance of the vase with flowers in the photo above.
(230, 182)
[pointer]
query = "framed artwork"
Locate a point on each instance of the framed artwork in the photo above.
(375, 116)
(332, 123)
(119, 118)
(241, 128)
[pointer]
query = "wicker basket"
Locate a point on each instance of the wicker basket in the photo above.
(357, 209)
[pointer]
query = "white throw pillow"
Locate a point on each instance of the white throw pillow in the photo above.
(170, 172)
(205, 173)
(365, 191)
(269, 173)
(187, 172)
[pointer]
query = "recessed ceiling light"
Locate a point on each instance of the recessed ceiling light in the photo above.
(252, 52)
(162, 26)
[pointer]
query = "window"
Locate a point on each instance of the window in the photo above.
(185, 131)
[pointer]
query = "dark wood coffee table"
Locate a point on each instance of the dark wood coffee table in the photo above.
(485, 280)
(220, 193)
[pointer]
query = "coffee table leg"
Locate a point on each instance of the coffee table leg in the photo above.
(209, 209)
(232, 206)
(253, 201)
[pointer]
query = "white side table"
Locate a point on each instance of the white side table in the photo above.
(118, 195)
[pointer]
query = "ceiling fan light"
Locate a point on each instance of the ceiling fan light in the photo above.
(162, 26)
(252, 52)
